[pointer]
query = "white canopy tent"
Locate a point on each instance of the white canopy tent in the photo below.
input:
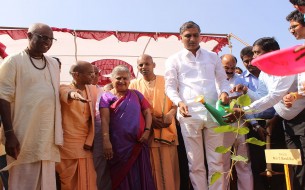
(72, 45)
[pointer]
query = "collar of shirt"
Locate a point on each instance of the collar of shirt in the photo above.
(187, 53)
(233, 78)
(248, 74)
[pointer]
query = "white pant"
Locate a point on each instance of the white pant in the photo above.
(194, 139)
(33, 176)
(243, 170)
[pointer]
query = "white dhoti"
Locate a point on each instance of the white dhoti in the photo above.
(33, 176)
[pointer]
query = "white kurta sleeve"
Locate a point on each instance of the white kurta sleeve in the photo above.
(171, 80)
(221, 77)
(8, 79)
(275, 94)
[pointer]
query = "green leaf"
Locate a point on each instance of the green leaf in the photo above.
(223, 149)
(242, 130)
(232, 104)
(239, 158)
(255, 141)
(244, 100)
(215, 177)
(224, 129)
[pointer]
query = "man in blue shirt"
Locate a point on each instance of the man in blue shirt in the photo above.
(249, 77)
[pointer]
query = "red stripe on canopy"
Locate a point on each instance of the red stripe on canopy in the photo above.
(105, 67)
(21, 33)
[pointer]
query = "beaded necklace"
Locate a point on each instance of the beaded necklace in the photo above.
(43, 58)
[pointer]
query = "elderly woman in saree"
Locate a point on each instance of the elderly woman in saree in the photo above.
(126, 122)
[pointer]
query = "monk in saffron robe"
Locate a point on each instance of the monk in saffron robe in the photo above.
(76, 169)
(126, 122)
(163, 141)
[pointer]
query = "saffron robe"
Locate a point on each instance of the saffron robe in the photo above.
(76, 169)
(163, 142)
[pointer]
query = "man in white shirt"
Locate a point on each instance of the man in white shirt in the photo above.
(293, 114)
(276, 88)
(243, 170)
(191, 72)
(229, 62)
(297, 29)
(300, 6)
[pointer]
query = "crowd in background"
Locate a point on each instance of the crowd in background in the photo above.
(148, 133)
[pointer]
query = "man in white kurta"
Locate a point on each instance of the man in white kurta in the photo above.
(191, 72)
(30, 86)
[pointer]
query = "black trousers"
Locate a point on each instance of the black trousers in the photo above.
(4, 174)
(258, 161)
(295, 139)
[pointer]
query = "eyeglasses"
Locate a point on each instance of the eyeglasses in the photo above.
(293, 27)
(44, 38)
(87, 73)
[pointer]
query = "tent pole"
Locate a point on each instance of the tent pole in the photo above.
(146, 45)
(75, 46)
(230, 44)
(238, 39)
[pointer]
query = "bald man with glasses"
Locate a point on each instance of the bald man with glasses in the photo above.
(30, 112)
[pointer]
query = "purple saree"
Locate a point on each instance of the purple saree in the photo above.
(130, 166)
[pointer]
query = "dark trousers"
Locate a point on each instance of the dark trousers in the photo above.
(297, 172)
(295, 139)
(258, 161)
(4, 174)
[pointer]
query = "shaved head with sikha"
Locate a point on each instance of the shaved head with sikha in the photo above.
(82, 72)
(146, 67)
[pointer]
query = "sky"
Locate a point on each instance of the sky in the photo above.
(248, 20)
